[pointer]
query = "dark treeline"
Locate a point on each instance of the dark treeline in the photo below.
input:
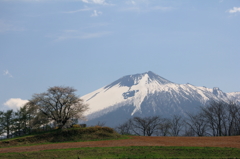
(217, 118)
(24, 121)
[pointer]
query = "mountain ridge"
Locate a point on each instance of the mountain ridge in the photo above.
(148, 94)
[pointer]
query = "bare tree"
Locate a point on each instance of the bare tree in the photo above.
(59, 104)
(215, 115)
(197, 124)
(176, 125)
(145, 126)
(233, 119)
(164, 127)
(223, 118)
(125, 128)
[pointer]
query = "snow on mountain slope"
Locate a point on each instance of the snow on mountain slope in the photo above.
(126, 89)
(234, 96)
(148, 94)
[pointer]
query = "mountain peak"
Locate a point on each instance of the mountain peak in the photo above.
(158, 78)
(150, 72)
(131, 80)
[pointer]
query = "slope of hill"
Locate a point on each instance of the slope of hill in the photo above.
(65, 135)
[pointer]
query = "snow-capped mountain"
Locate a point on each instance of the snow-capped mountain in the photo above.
(147, 94)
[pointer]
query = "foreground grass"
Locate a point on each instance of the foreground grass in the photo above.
(130, 152)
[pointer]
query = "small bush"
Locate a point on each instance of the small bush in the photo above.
(107, 129)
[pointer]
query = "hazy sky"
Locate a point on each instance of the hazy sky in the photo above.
(88, 44)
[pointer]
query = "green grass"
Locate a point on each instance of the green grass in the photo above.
(130, 152)
(66, 135)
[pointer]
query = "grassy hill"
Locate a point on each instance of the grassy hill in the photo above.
(65, 135)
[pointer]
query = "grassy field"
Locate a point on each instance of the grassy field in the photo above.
(129, 152)
(105, 133)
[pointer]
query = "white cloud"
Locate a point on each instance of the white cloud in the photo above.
(234, 10)
(79, 10)
(96, 13)
(7, 73)
(15, 103)
(85, 1)
(99, 1)
(95, 1)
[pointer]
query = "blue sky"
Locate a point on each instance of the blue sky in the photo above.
(88, 44)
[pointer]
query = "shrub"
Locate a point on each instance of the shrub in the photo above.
(76, 126)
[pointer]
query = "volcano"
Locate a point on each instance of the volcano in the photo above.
(148, 94)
